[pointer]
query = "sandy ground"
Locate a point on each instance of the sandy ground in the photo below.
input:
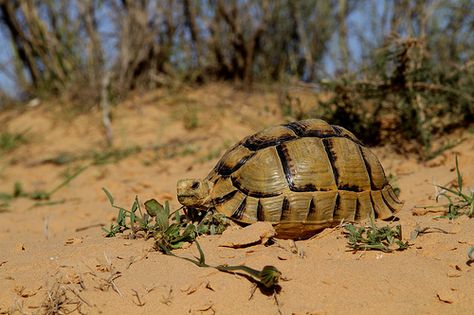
(59, 252)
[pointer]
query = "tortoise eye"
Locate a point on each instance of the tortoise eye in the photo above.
(195, 185)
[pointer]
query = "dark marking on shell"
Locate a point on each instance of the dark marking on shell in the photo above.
(337, 208)
(285, 210)
(350, 188)
(319, 134)
(284, 158)
(239, 212)
(296, 128)
(367, 167)
(312, 210)
(225, 170)
(225, 198)
(303, 131)
(337, 130)
(357, 215)
(373, 207)
(328, 146)
(256, 194)
(260, 212)
(254, 143)
(307, 188)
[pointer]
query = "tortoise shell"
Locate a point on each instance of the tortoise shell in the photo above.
(302, 176)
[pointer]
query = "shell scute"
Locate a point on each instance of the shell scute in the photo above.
(233, 159)
(271, 208)
(347, 206)
(307, 167)
(324, 204)
(268, 137)
(347, 160)
(262, 175)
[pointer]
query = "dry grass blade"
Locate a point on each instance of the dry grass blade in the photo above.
(58, 301)
(459, 201)
(420, 231)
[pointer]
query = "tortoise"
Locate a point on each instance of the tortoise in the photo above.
(302, 177)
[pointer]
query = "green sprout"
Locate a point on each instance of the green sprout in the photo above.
(459, 201)
(374, 238)
(171, 230)
(269, 276)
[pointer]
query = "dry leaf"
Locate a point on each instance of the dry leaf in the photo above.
(73, 241)
(447, 296)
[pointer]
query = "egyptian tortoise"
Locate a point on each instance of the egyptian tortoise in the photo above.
(302, 177)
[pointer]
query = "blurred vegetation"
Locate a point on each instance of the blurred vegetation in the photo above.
(407, 90)
(9, 141)
(394, 70)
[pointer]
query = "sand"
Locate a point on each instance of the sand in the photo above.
(56, 255)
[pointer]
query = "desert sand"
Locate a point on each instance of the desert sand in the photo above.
(58, 253)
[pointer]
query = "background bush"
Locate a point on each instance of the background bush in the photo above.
(399, 66)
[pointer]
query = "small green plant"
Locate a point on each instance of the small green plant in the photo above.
(4, 206)
(97, 157)
(385, 239)
(46, 195)
(459, 201)
(43, 197)
(69, 171)
(9, 141)
(113, 155)
(269, 276)
(447, 146)
(190, 117)
(155, 222)
(5, 199)
(128, 219)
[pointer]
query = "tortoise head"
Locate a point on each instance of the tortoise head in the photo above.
(194, 193)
